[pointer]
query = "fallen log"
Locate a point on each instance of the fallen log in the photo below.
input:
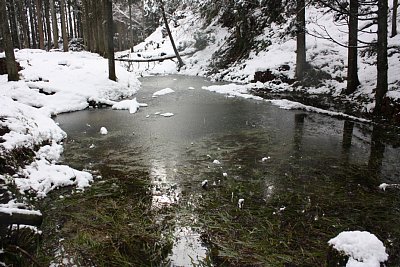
(145, 59)
(20, 216)
(153, 59)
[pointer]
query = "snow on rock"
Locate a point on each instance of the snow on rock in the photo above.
(363, 248)
(163, 92)
(240, 203)
(383, 186)
(103, 131)
(264, 159)
(131, 104)
(14, 207)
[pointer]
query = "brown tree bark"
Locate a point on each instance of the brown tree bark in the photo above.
(63, 26)
(130, 26)
(22, 18)
(69, 13)
(300, 40)
(180, 62)
(39, 6)
(352, 66)
(13, 24)
(394, 18)
(32, 23)
(110, 40)
(382, 60)
(48, 23)
(54, 23)
(86, 24)
(8, 46)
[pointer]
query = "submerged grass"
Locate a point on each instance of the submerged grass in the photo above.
(311, 201)
(108, 225)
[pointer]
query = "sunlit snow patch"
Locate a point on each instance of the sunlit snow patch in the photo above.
(363, 248)
(163, 92)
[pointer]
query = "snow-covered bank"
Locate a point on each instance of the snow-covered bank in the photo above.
(277, 58)
(51, 83)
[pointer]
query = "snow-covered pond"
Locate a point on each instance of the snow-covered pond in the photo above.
(303, 177)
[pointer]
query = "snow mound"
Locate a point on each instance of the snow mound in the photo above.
(163, 92)
(43, 177)
(27, 126)
(132, 105)
(363, 248)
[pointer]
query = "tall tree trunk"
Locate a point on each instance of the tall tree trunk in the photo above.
(74, 19)
(63, 26)
(352, 66)
(394, 18)
(32, 22)
(110, 40)
(13, 24)
(79, 11)
(54, 23)
(86, 24)
(301, 40)
(382, 60)
(101, 32)
(71, 28)
(8, 46)
(39, 6)
(48, 24)
(130, 26)
(180, 62)
(22, 18)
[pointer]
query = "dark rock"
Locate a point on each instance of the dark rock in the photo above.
(264, 76)
(284, 67)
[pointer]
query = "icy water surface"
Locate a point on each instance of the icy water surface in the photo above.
(304, 178)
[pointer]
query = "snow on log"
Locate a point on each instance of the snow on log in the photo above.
(20, 216)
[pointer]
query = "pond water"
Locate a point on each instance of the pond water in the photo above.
(304, 178)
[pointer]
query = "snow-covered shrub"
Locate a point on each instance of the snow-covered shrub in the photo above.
(201, 40)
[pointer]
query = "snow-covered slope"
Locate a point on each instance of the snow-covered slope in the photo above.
(324, 55)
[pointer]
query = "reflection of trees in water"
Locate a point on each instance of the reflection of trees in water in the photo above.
(346, 141)
(377, 150)
(298, 133)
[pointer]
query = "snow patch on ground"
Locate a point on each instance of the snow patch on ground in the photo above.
(363, 248)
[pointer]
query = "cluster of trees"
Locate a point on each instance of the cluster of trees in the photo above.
(372, 12)
(47, 24)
